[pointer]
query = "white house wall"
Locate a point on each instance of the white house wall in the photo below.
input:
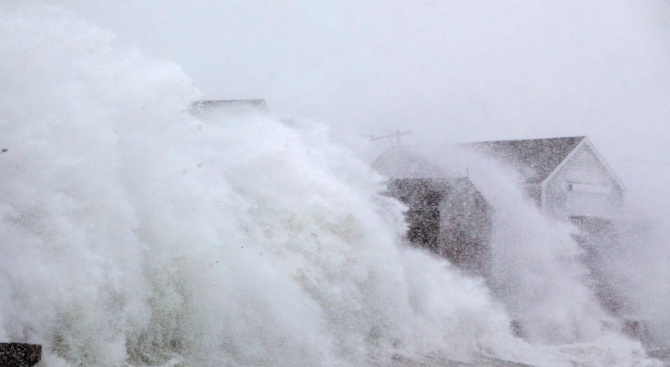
(583, 186)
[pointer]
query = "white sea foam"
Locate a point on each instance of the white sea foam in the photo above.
(134, 233)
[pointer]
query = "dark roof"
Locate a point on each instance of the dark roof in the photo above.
(535, 158)
(229, 105)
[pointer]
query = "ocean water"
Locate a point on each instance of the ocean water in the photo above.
(135, 234)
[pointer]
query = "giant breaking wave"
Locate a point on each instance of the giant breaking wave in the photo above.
(133, 233)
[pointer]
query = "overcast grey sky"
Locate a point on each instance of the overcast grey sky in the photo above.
(450, 70)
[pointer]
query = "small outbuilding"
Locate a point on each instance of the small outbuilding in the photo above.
(445, 214)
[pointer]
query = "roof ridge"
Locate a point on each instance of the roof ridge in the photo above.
(536, 158)
(580, 137)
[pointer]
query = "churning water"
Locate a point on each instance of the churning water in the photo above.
(134, 234)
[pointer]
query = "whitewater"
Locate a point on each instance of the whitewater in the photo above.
(133, 233)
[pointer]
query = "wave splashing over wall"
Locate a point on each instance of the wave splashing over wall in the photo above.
(135, 234)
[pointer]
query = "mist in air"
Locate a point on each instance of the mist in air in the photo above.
(135, 233)
(448, 71)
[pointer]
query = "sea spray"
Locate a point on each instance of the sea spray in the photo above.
(72, 264)
(536, 267)
(533, 262)
(134, 233)
(635, 267)
(568, 286)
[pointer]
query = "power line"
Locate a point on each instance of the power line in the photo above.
(395, 134)
(645, 162)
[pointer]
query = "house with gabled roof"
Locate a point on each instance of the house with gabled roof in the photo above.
(566, 178)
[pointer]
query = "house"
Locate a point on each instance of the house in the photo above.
(566, 178)
(569, 180)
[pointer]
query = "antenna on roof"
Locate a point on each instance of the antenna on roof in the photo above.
(395, 134)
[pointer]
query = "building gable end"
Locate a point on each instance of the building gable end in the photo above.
(584, 143)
